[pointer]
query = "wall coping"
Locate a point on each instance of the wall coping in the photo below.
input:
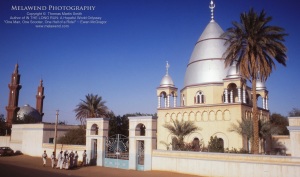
(96, 119)
(142, 117)
(261, 159)
(293, 117)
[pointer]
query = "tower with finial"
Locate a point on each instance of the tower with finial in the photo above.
(166, 90)
(13, 98)
(40, 98)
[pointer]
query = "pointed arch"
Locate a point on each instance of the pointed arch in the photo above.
(199, 97)
(219, 115)
(185, 116)
(211, 116)
(224, 138)
(192, 116)
(179, 116)
(198, 116)
(167, 118)
(205, 116)
(227, 115)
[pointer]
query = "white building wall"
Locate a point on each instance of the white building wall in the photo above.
(29, 138)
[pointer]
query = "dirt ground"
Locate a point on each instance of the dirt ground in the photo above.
(27, 166)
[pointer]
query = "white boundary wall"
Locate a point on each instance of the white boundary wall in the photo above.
(225, 165)
(5, 141)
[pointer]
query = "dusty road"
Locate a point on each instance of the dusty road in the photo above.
(26, 166)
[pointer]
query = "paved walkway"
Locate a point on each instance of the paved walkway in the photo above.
(27, 166)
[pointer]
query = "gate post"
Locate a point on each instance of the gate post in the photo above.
(294, 128)
(96, 129)
(142, 128)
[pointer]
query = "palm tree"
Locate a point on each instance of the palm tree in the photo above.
(92, 106)
(255, 45)
(181, 129)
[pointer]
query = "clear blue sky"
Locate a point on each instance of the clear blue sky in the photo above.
(124, 60)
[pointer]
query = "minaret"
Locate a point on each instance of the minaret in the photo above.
(40, 98)
(13, 98)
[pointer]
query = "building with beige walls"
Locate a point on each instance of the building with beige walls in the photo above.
(213, 96)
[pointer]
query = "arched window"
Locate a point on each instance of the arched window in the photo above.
(196, 144)
(94, 129)
(140, 130)
(221, 143)
(199, 97)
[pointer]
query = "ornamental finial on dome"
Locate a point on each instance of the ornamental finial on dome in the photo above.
(212, 6)
(167, 68)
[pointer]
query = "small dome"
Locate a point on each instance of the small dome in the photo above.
(233, 71)
(30, 112)
(167, 81)
(260, 85)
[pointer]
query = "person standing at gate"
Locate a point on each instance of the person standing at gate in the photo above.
(44, 157)
(84, 158)
(60, 160)
(52, 160)
(75, 159)
(66, 160)
(71, 157)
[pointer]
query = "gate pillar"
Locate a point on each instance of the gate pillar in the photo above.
(96, 133)
(142, 130)
(294, 128)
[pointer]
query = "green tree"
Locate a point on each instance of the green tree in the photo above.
(281, 122)
(180, 129)
(120, 124)
(244, 128)
(294, 113)
(93, 106)
(215, 144)
(255, 45)
(76, 136)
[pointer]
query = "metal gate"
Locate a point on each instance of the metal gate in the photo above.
(117, 152)
(140, 155)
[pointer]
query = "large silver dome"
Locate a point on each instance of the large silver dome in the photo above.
(29, 111)
(206, 64)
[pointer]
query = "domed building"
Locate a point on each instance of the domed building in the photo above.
(213, 96)
(13, 111)
(27, 112)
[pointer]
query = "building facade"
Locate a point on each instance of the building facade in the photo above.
(213, 97)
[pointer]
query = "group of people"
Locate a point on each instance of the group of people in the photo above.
(64, 160)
